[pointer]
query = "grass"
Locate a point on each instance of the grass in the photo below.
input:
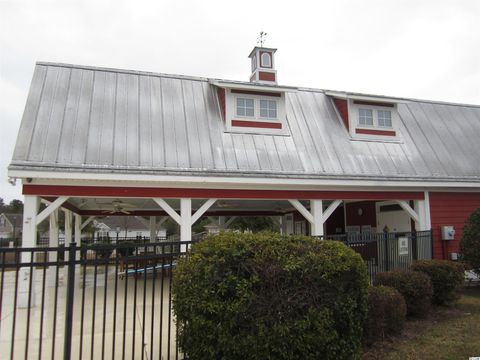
(448, 333)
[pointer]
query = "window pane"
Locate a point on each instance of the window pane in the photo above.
(249, 103)
(250, 112)
(365, 117)
(263, 104)
(266, 60)
(384, 118)
(263, 112)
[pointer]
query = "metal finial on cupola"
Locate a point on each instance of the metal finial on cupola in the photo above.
(261, 38)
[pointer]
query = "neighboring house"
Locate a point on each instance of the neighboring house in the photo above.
(133, 143)
(123, 227)
(11, 224)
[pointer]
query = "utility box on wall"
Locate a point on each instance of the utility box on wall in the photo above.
(448, 232)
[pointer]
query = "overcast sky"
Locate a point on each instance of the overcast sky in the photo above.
(407, 48)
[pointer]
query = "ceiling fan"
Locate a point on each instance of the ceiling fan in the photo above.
(118, 206)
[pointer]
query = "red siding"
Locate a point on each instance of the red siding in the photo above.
(368, 217)
(450, 209)
(266, 76)
(342, 108)
(221, 100)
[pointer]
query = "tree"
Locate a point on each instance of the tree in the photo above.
(470, 242)
(2, 206)
(15, 206)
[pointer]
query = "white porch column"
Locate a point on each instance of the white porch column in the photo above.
(221, 222)
(185, 221)
(316, 209)
(68, 231)
(153, 228)
(29, 237)
(78, 241)
(423, 210)
(52, 242)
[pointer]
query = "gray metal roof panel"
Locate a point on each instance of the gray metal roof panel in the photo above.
(95, 119)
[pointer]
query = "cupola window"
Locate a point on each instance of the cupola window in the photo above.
(266, 60)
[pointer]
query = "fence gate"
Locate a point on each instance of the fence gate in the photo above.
(89, 302)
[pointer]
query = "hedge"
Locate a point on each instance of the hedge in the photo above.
(386, 313)
(447, 277)
(416, 288)
(268, 296)
(470, 241)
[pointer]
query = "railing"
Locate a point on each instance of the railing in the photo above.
(388, 251)
(93, 301)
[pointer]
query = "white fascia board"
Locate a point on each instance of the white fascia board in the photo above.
(345, 95)
(177, 181)
(253, 87)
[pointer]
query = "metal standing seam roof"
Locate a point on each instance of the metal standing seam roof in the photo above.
(105, 120)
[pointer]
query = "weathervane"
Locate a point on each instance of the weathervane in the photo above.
(261, 38)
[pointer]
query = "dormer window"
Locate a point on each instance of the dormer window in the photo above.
(245, 107)
(268, 109)
(365, 117)
(384, 118)
(266, 60)
(374, 118)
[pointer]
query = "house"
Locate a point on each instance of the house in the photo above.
(124, 227)
(11, 226)
(327, 162)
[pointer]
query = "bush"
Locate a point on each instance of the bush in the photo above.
(415, 287)
(470, 241)
(446, 276)
(268, 296)
(386, 313)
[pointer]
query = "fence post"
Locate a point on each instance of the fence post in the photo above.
(387, 250)
(67, 349)
(414, 245)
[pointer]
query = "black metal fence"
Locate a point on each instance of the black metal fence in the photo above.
(388, 251)
(89, 302)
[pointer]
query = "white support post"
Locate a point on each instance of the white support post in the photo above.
(185, 221)
(302, 210)
(221, 222)
(423, 223)
(331, 208)
(29, 236)
(229, 222)
(168, 209)
(198, 214)
(52, 242)
(68, 228)
(316, 207)
(153, 228)
(51, 208)
(78, 241)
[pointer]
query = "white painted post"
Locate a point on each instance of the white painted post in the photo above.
(153, 228)
(68, 231)
(316, 209)
(221, 222)
(423, 210)
(185, 221)
(52, 242)
(78, 240)
(29, 237)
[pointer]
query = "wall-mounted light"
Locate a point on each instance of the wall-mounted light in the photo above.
(360, 211)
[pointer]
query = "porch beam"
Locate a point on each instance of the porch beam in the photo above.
(302, 210)
(202, 209)
(331, 208)
(50, 208)
(169, 210)
(408, 209)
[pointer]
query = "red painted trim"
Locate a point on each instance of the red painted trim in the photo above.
(376, 132)
(221, 100)
(266, 76)
(372, 103)
(149, 192)
(342, 107)
(256, 124)
(252, 92)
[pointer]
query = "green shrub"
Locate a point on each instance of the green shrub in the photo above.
(447, 277)
(268, 296)
(470, 241)
(415, 287)
(386, 313)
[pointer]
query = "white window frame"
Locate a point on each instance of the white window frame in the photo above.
(262, 64)
(256, 107)
(375, 110)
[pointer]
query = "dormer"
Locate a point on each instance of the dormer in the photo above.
(368, 118)
(263, 65)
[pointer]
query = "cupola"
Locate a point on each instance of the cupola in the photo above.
(263, 65)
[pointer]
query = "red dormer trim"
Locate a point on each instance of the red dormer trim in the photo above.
(257, 124)
(221, 100)
(376, 132)
(342, 107)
